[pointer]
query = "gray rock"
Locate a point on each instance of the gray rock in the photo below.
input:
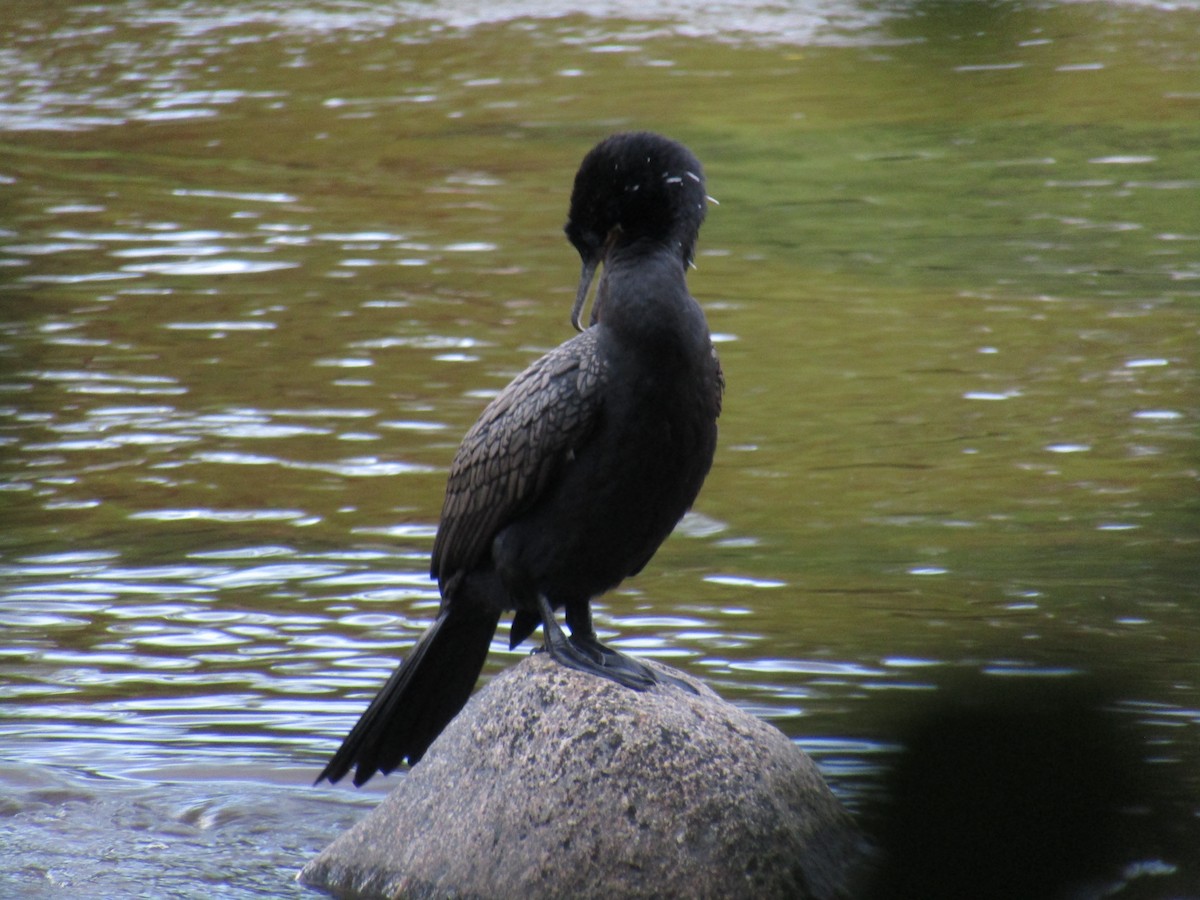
(552, 783)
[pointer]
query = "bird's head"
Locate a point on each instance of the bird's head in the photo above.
(633, 189)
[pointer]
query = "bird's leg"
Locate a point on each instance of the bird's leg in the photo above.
(589, 655)
(583, 632)
(612, 662)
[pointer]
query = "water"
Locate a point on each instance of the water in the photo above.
(261, 267)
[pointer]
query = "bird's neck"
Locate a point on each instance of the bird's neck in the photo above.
(643, 298)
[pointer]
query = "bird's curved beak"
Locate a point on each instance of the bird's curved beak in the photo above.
(585, 282)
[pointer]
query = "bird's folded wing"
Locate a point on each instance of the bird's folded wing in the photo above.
(513, 451)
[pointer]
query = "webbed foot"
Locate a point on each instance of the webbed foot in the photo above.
(584, 652)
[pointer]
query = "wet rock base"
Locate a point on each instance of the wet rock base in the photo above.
(553, 783)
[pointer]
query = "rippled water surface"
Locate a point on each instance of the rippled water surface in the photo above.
(262, 264)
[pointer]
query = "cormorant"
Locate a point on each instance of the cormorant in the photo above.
(578, 470)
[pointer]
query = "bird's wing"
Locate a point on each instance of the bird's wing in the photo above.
(512, 452)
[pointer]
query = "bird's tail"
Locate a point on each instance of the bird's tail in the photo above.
(421, 697)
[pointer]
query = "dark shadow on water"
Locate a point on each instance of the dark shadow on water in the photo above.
(1029, 789)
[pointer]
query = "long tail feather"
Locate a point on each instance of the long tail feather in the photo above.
(420, 698)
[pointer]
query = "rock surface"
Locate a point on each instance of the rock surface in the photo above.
(552, 783)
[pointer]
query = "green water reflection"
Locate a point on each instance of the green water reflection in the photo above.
(260, 269)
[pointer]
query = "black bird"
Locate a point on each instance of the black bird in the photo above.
(578, 470)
